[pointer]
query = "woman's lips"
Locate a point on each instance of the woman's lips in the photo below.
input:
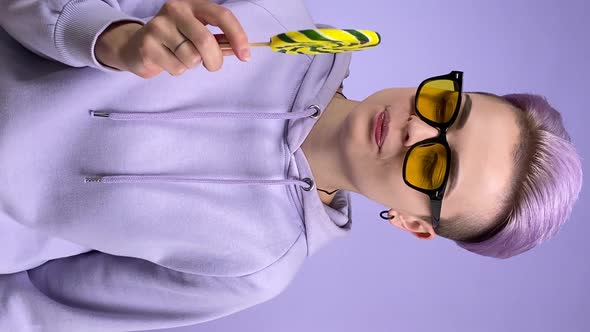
(381, 127)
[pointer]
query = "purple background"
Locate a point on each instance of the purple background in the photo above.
(381, 278)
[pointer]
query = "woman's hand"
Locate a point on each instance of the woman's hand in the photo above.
(146, 50)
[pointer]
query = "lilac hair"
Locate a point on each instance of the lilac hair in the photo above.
(550, 180)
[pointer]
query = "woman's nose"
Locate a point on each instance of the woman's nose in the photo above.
(418, 130)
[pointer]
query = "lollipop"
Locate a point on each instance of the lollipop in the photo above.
(318, 41)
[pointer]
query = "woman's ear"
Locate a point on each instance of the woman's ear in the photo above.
(422, 229)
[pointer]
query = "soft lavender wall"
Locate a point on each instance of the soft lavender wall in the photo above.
(383, 279)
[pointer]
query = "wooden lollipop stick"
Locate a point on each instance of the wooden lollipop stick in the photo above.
(226, 46)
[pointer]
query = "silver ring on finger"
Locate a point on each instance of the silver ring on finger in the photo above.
(182, 42)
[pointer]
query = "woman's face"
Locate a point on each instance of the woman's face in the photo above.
(484, 139)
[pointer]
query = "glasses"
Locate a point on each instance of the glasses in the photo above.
(427, 163)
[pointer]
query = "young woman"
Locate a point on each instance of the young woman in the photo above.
(132, 200)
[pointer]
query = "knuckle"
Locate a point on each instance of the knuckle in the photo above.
(205, 44)
(156, 24)
(175, 7)
(144, 50)
(143, 44)
(144, 63)
(194, 60)
(206, 40)
(145, 57)
(172, 5)
(225, 13)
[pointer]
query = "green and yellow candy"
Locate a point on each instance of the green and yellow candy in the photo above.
(319, 41)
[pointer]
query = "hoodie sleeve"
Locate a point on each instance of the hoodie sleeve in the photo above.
(95, 291)
(62, 30)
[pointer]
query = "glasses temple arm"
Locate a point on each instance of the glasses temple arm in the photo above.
(436, 207)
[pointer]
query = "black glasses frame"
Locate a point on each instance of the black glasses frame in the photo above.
(436, 195)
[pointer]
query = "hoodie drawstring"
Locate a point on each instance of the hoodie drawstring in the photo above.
(313, 111)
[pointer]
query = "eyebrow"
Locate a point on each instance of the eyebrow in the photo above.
(463, 116)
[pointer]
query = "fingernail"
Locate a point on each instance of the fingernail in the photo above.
(245, 54)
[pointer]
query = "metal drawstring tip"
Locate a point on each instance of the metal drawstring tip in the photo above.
(100, 114)
(91, 179)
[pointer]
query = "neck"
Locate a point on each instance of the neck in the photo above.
(323, 151)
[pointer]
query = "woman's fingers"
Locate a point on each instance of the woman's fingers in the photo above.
(200, 39)
(177, 39)
(233, 31)
(190, 24)
(157, 46)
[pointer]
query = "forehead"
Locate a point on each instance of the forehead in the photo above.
(485, 147)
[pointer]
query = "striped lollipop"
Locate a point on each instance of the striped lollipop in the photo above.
(318, 41)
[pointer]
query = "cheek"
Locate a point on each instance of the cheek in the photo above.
(392, 96)
(388, 179)
(413, 201)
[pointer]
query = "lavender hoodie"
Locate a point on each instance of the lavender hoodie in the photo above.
(131, 204)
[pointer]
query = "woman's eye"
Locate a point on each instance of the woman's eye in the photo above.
(427, 172)
(441, 110)
(429, 163)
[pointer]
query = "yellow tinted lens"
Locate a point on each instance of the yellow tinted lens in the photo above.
(426, 166)
(437, 100)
